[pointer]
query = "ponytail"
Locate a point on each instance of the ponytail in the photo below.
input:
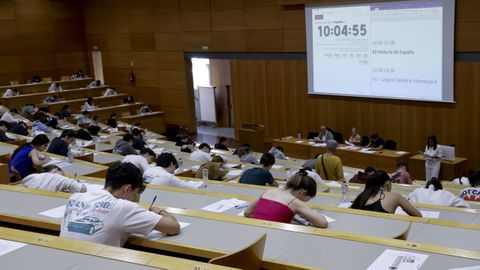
(301, 180)
(437, 185)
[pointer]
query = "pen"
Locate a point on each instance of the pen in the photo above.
(153, 201)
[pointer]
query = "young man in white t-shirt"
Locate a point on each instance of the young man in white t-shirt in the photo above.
(109, 216)
(202, 154)
(472, 193)
(53, 179)
(143, 160)
(163, 173)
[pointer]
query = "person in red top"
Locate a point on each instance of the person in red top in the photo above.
(401, 175)
(281, 205)
(472, 193)
(362, 177)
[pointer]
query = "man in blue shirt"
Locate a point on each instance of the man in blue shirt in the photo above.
(60, 145)
(260, 176)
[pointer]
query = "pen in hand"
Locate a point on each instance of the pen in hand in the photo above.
(153, 201)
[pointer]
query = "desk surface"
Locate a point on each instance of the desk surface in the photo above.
(51, 252)
(282, 245)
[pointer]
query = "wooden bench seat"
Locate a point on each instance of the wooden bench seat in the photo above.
(76, 104)
(31, 88)
(120, 110)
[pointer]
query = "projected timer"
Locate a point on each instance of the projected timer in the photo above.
(342, 30)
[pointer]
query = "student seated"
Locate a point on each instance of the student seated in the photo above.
(40, 123)
(55, 87)
(112, 120)
(246, 154)
(60, 145)
(277, 152)
(188, 147)
(36, 79)
(141, 161)
(3, 130)
(202, 154)
(94, 84)
(53, 179)
(50, 99)
(80, 74)
(128, 100)
(401, 175)
(221, 144)
(473, 192)
(9, 116)
(433, 193)
(313, 175)
(461, 180)
(310, 163)
(376, 142)
(110, 92)
(28, 110)
(11, 92)
(377, 196)
(138, 141)
(88, 105)
(328, 165)
(355, 138)
(124, 146)
(324, 135)
(281, 205)
(163, 173)
(19, 128)
(27, 158)
(83, 119)
(65, 111)
(215, 168)
(362, 177)
(260, 176)
(109, 216)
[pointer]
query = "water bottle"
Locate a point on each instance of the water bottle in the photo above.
(299, 136)
(289, 173)
(205, 176)
(345, 191)
(70, 156)
(180, 165)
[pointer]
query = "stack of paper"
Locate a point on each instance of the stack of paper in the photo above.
(396, 259)
(223, 205)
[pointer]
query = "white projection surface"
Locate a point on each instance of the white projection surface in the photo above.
(392, 50)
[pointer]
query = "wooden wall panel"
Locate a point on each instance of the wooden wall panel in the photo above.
(264, 17)
(228, 19)
(265, 40)
(226, 4)
(196, 21)
(230, 41)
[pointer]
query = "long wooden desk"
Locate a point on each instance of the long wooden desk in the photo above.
(105, 112)
(30, 88)
(154, 121)
(55, 253)
(386, 225)
(449, 170)
(75, 104)
(381, 160)
(292, 245)
(19, 101)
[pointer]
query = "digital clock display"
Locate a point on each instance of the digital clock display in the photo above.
(342, 30)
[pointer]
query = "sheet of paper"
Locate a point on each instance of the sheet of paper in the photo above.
(156, 235)
(223, 205)
(425, 213)
(320, 145)
(277, 167)
(9, 246)
(354, 187)
(299, 141)
(195, 167)
(230, 165)
(54, 213)
(345, 205)
(311, 143)
(348, 143)
(367, 151)
(400, 152)
(93, 187)
(241, 214)
(398, 260)
(467, 268)
(333, 184)
(234, 173)
(54, 161)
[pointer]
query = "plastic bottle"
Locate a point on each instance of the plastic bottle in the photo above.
(299, 136)
(70, 156)
(205, 176)
(345, 191)
(180, 165)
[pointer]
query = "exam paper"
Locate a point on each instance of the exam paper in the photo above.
(467, 268)
(400, 152)
(92, 187)
(9, 246)
(320, 145)
(299, 142)
(367, 151)
(398, 260)
(230, 165)
(156, 235)
(234, 173)
(333, 184)
(425, 213)
(345, 205)
(223, 205)
(54, 213)
(277, 167)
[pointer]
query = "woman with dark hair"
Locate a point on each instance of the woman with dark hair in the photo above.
(433, 193)
(112, 120)
(377, 196)
(433, 158)
(281, 205)
(65, 111)
(26, 158)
